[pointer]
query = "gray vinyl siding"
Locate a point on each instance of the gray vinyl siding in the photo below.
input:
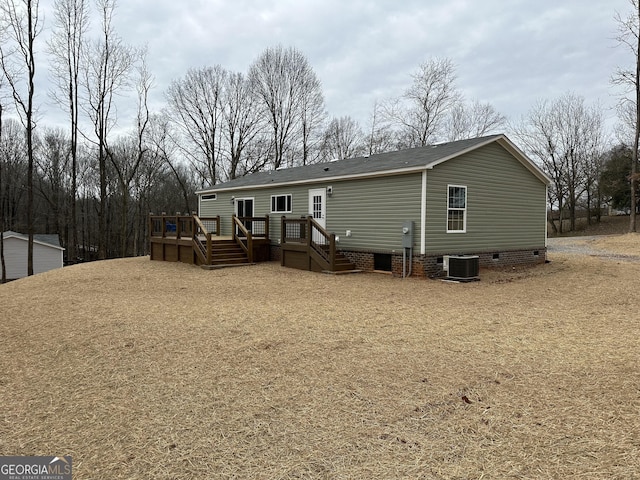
(506, 204)
(374, 210)
(220, 206)
(262, 206)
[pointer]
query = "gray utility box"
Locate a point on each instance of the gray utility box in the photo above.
(407, 234)
(464, 267)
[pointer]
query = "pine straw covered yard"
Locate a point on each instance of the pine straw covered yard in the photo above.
(143, 369)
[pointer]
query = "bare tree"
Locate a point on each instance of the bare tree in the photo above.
(420, 114)
(290, 94)
(106, 71)
(53, 177)
(242, 126)
(195, 107)
(71, 20)
(473, 120)
(312, 117)
(564, 136)
(343, 138)
(20, 21)
(381, 137)
(14, 161)
(127, 163)
(161, 139)
(629, 36)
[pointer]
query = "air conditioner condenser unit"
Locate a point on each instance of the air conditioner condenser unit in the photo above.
(462, 267)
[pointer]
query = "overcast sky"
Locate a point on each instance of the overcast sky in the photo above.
(509, 53)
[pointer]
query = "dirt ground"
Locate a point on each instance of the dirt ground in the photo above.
(141, 369)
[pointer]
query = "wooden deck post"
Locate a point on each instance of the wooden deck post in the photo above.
(283, 238)
(332, 252)
(309, 233)
(233, 228)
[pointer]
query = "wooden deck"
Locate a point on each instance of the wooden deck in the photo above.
(197, 241)
(307, 246)
(190, 239)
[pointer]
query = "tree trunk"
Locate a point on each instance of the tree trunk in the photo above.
(102, 214)
(30, 125)
(636, 137)
(2, 262)
(123, 225)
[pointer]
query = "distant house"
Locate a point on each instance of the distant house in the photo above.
(403, 212)
(47, 253)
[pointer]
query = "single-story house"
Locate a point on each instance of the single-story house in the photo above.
(402, 210)
(47, 253)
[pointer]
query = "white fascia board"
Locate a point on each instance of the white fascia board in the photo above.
(386, 173)
(48, 245)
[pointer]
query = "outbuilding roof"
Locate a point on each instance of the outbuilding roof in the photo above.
(402, 161)
(50, 240)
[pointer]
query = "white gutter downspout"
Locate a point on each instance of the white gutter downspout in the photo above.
(423, 214)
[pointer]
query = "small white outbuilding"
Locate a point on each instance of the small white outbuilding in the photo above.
(47, 253)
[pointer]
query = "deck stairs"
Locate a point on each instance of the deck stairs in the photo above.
(227, 252)
(341, 263)
(224, 253)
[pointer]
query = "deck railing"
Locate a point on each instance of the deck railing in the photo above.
(204, 251)
(172, 226)
(209, 224)
(321, 245)
(203, 230)
(183, 226)
(192, 227)
(245, 229)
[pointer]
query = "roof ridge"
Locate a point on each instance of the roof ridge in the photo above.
(397, 161)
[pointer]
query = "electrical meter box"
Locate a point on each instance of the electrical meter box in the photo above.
(407, 234)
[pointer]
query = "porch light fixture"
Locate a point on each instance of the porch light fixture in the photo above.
(329, 190)
(233, 199)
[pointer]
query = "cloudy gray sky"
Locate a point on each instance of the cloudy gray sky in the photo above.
(510, 53)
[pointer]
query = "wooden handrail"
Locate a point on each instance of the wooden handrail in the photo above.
(330, 240)
(307, 227)
(200, 225)
(207, 235)
(238, 224)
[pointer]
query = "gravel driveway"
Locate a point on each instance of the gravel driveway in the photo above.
(585, 246)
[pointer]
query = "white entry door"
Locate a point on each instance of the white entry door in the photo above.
(317, 205)
(318, 210)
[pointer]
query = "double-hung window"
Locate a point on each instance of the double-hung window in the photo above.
(457, 209)
(281, 203)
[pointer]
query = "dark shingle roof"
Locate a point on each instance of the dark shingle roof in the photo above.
(409, 159)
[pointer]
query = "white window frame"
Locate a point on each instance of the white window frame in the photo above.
(288, 203)
(212, 196)
(457, 209)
